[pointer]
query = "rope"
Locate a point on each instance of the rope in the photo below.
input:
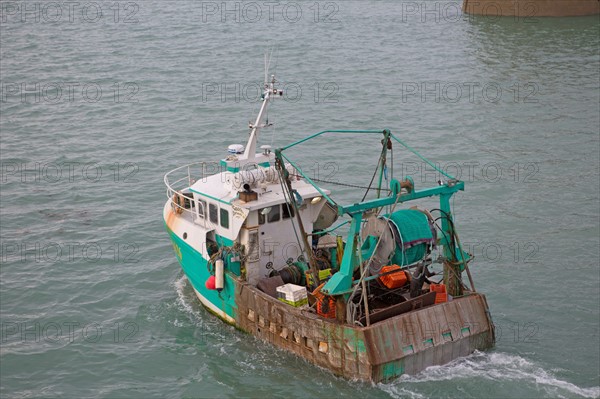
(349, 313)
(288, 194)
(288, 203)
(422, 157)
(237, 248)
(337, 183)
(380, 161)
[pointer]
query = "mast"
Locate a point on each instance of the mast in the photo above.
(270, 91)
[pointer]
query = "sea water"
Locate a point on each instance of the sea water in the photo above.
(100, 99)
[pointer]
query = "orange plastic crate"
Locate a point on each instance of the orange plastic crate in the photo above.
(393, 280)
(440, 292)
(325, 303)
(326, 307)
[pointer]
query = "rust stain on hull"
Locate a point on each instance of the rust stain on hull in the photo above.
(171, 219)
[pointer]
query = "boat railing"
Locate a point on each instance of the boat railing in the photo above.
(179, 181)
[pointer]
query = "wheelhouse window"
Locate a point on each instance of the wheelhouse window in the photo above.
(213, 213)
(224, 213)
(274, 214)
(288, 211)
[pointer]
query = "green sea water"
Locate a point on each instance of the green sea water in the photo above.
(100, 99)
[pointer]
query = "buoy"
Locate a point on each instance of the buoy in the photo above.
(210, 283)
(219, 275)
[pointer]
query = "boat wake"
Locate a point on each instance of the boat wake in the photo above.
(495, 366)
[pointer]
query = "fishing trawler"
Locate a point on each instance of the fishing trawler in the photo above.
(369, 290)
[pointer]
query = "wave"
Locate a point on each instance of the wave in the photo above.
(491, 366)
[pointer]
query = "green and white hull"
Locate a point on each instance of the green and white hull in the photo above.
(195, 267)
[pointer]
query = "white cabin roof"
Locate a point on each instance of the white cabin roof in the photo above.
(214, 187)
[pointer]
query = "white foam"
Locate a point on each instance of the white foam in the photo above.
(180, 285)
(209, 327)
(494, 366)
(397, 391)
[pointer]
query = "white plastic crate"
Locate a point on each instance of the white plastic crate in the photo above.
(292, 292)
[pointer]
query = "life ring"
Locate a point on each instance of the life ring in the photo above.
(177, 203)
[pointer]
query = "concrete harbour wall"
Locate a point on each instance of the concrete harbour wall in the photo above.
(532, 8)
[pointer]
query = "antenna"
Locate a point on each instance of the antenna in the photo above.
(266, 68)
(276, 49)
(268, 58)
